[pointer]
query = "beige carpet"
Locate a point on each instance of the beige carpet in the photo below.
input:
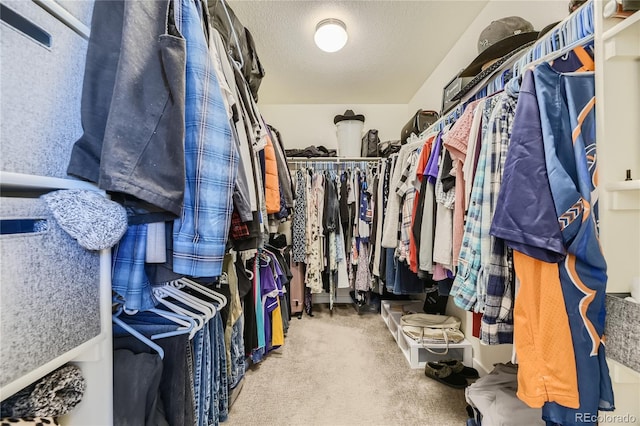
(342, 369)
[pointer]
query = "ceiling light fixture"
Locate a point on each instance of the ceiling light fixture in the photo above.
(331, 35)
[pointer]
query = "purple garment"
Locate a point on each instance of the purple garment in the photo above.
(267, 285)
(431, 171)
(364, 206)
(531, 230)
(280, 276)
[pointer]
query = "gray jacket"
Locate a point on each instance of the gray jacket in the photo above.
(133, 106)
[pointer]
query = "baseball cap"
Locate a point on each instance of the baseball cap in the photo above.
(498, 39)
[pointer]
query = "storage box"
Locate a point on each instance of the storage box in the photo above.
(415, 353)
(41, 85)
(49, 289)
(451, 90)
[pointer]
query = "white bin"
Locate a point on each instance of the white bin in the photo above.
(349, 138)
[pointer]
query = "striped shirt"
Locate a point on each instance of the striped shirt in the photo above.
(408, 191)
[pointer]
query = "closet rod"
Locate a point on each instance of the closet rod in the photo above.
(439, 123)
(330, 159)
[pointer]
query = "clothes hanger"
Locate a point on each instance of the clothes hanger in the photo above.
(218, 297)
(208, 309)
(265, 258)
(269, 249)
(186, 324)
(199, 319)
(181, 320)
(575, 30)
(248, 273)
(161, 295)
(135, 333)
(233, 32)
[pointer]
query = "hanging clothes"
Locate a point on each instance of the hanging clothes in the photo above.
(271, 178)
(201, 231)
(114, 150)
(444, 190)
(338, 216)
(314, 259)
(566, 106)
(456, 141)
(426, 238)
(418, 205)
(470, 286)
(391, 227)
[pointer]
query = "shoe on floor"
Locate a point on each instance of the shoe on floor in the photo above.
(444, 374)
(458, 367)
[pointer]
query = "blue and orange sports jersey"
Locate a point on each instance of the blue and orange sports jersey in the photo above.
(526, 219)
(567, 110)
(553, 218)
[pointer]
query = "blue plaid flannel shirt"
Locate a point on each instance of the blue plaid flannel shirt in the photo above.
(464, 286)
(497, 321)
(497, 289)
(128, 277)
(211, 158)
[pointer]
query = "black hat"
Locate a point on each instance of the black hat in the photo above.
(348, 115)
(488, 71)
(498, 39)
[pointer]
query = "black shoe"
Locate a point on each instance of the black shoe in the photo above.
(445, 375)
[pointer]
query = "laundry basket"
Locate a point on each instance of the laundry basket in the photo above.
(349, 138)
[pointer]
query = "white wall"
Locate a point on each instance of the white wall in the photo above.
(539, 12)
(305, 125)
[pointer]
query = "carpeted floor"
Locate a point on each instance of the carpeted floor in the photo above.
(341, 368)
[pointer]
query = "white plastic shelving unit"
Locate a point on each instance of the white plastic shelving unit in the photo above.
(39, 126)
(415, 353)
(94, 357)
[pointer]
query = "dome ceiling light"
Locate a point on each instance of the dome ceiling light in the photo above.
(331, 35)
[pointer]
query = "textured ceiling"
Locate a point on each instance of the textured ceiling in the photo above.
(393, 47)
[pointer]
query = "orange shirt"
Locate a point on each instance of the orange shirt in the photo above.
(547, 368)
(423, 159)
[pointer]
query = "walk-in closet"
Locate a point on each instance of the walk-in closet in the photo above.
(319, 212)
